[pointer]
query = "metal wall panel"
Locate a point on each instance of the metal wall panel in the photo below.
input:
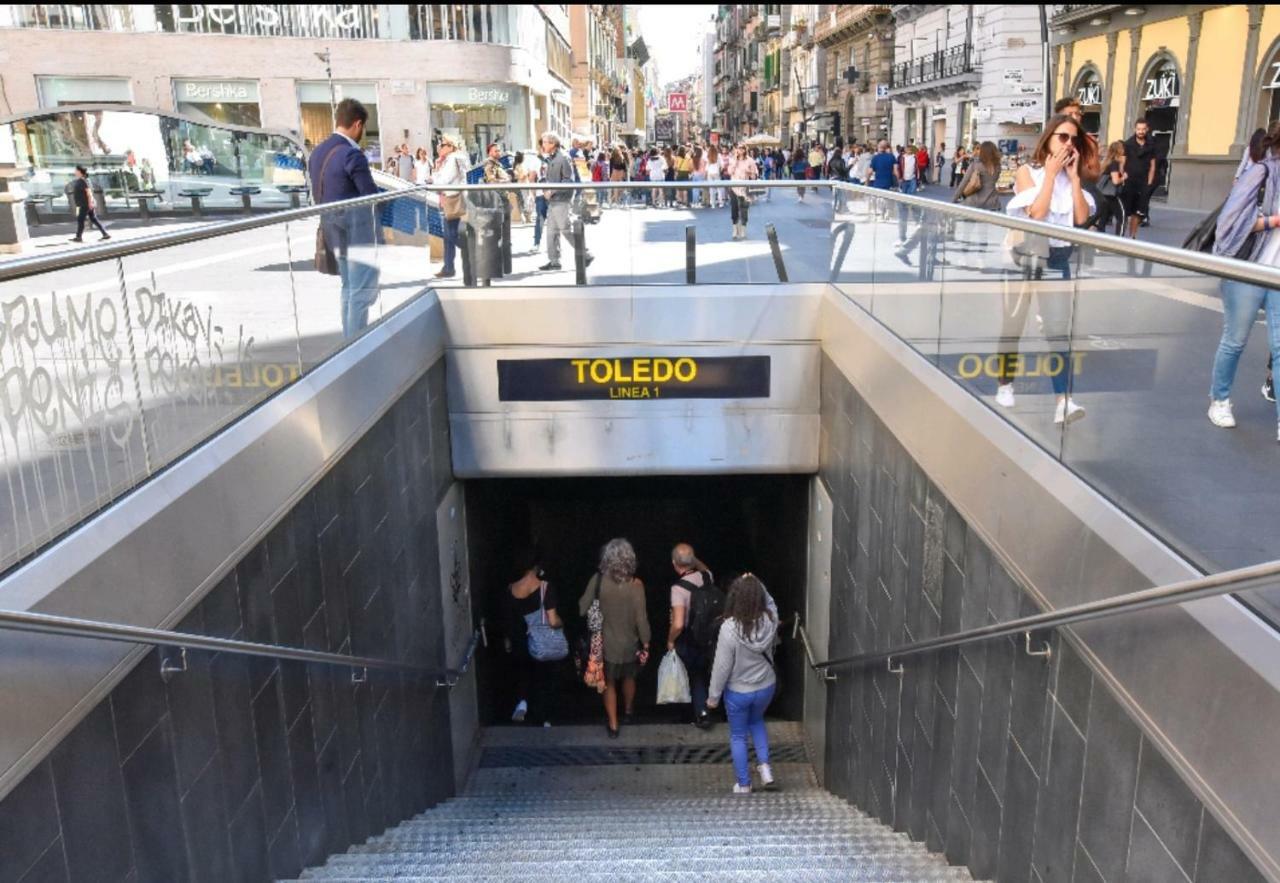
(1069, 545)
(455, 596)
(148, 559)
(817, 622)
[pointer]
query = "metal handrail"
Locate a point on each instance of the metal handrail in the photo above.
(1193, 261)
(798, 630)
(1242, 579)
(48, 624)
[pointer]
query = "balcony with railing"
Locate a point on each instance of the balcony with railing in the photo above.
(946, 64)
(848, 19)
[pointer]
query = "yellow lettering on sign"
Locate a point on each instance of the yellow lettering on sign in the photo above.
(970, 366)
(581, 365)
(600, 371)
(271, 379)
(662, 370)
(619, 375)
(690, 370)
(640, 370)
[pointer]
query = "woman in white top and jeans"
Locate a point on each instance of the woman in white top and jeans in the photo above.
(1049, 189)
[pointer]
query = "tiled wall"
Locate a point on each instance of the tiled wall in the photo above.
(245, 769)
(1021, 769)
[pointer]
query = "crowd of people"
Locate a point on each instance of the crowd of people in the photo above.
(724, 640)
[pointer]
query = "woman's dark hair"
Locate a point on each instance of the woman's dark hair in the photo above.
(1085, 148)
(615, 158)
(1115, 150)
(519, 157)
(82, 170)
(526, 560)
(746, 603)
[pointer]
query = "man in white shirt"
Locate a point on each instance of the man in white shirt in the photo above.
(691, 575)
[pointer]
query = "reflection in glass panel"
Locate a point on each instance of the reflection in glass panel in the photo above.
(128, 152)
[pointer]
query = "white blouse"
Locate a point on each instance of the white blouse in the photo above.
(1062, 205)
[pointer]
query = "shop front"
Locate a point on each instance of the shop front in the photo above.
(233, 102)
(1088, 91)
(480, 114)
(315, 109)
(61, 91)
(1158, 103)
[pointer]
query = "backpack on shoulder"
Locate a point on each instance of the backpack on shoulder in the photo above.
(706, 612)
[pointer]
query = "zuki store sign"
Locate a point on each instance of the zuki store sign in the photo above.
(638, 377)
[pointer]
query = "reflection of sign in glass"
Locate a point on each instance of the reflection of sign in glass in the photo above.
(633, 377)
(677, 102)
(1162, 87)
(1089, 94)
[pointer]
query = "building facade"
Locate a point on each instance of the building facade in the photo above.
(805, 59)
(1204, 77)
(967, 74)
(482, 73)
(858, 39)
(600, 77)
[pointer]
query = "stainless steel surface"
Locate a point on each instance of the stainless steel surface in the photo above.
(454, 676)
(172, 539)
(1259, 576)
(1069, 545)
(819, 667)
(459, 628)
(41, 623)
(676, 436)
(817, 615)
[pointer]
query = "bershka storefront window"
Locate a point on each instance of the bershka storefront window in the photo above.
(481, 114)
(220, 101)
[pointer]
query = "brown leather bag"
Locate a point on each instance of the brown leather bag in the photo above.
(326, 260)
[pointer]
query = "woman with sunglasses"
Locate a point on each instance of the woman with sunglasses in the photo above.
(1048, 189)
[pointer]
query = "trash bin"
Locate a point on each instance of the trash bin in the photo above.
(485, 216)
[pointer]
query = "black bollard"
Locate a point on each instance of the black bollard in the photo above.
(506, 239)
(845, 234)
(690, 254)
(464, 249)
(579, 253)
(777, 252)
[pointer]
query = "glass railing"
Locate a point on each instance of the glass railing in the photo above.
(116, 360)
(1097, 348)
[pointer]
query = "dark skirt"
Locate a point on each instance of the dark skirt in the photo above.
(616, 671)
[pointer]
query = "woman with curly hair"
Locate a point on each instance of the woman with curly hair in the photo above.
(625, 629)
(743, 673)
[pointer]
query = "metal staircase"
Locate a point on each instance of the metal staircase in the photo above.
(568, 804)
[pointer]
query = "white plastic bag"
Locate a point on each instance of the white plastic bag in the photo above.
(673, 680)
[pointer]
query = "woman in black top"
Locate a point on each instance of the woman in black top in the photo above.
(1110, 184)
(82, 198)
(537, 683)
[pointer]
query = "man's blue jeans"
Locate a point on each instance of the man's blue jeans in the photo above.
(539, 218)
(359, 272)
(746, 716)
(450, 244)
(908, 187)
(1240, 304)
(698, 668)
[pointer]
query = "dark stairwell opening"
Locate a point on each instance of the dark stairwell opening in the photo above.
(735, 523)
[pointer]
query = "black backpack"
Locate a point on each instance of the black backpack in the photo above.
(706, 610)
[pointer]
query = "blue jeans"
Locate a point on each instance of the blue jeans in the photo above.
(1054, 308)
(359, 290)
(540, 218)
(746, 715)
(1240, 304)
(450, 243)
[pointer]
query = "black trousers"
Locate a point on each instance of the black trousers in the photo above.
(85, 212)
(738, 209)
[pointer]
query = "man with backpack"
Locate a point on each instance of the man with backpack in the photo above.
(696, 610)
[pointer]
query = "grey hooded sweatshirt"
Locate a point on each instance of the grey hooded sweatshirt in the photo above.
(744, 663)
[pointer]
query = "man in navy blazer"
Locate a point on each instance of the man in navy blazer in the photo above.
(340, 171)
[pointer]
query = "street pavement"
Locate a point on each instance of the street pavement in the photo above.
(214, 327)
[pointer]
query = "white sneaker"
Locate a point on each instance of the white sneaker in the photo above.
(1067, 412)
(741, 789)
(522, 708)
(1220, 414)
(766, 777)
(1004, 395)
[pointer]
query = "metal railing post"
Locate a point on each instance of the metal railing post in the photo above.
(467, 255)
(506, 239)
(690, 254)
(845, 234)
(777, 252)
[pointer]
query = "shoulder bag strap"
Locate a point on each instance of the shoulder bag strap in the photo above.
(323, 167)
(542, 600)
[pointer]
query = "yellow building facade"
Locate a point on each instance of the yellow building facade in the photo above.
(1204, 77)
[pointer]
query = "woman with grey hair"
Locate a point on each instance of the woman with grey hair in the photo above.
(626, 626)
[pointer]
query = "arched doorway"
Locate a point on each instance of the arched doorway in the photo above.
(1268, 105)
(1159, 95)
(1088, 91)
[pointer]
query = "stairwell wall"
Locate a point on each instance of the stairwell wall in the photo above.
(248, 769)
(1019, 767)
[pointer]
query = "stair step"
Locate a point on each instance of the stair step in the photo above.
(808, 875)
(857, 868)
(639, 849)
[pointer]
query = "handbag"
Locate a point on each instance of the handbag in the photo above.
(1204, 235)
(1106, 186)
(326, 261)
(452, 205)
(546, 644)
(593, 676)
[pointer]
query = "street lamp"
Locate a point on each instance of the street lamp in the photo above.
(326, 57)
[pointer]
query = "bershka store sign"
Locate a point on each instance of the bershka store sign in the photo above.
(211, 91)
(633, 377)
(275, 19)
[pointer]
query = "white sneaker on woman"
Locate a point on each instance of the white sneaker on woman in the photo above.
(1004, 395)
(1220, 414)
(741, 789)
(766, 777)
(1067, 412)
(522, 708)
